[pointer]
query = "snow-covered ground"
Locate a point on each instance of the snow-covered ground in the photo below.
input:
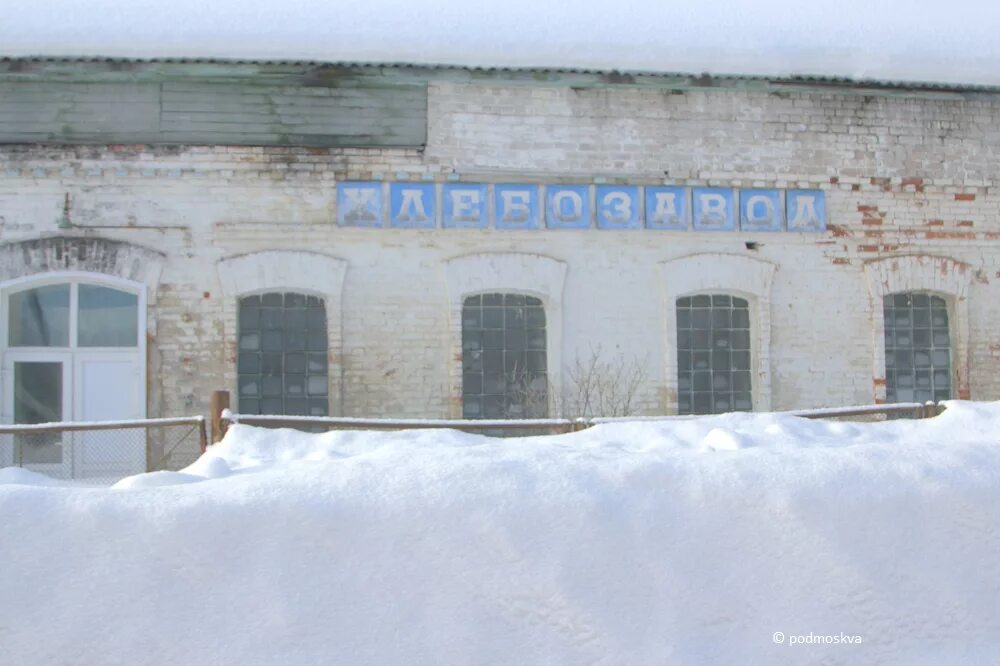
(686, 542)
(908, 40)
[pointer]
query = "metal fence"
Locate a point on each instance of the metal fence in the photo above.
(103, 452)
(525, 427)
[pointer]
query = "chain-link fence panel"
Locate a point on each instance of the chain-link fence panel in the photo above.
(102, 453)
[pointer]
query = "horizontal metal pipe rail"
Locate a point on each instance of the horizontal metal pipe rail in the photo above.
(197, 422)
(914, 409)
(75, 426)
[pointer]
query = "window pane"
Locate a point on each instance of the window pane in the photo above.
(503, 357)
(713, 354)
(38, 399)
(917, 349)
(107, 317)
(40, 317)
(276, 331)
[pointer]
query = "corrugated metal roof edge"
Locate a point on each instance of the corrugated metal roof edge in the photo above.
(801, 79)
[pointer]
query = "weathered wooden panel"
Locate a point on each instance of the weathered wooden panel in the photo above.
(195, 112)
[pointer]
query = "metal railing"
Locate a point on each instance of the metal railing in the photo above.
(103, 452)
(222, 418)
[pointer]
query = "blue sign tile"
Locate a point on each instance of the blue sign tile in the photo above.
(360, 205)
(516, 206)
(618, 207)
(760, 210)
(412, 205)
(465, 206)
(567, 207)
(806, 210)
(667, 208)
(713, 209)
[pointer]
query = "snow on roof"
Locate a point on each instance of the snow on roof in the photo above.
(894, 40)
(693, 541)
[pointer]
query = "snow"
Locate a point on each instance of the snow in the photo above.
(672, 542)
(912, 40)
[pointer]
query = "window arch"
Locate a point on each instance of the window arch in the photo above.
(713, 354)
(531, 275)
(943, 277)
(725, 276)
(316, 277)
(282, 364)
(504, 360)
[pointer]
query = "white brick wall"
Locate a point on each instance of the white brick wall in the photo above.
(903, 177)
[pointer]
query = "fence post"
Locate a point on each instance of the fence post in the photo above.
(202, 436)
(218, 402)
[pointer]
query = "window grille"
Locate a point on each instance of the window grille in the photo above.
(713, 354)
(282, 364)
(503, 357)
(917, 348)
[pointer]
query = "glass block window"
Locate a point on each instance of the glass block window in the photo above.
(503, 357)
(713, 354)
(917, 348)
(282, 362)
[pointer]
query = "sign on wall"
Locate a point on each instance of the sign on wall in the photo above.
(517, 206)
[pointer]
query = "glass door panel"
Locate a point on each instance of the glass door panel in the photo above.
(38, 396)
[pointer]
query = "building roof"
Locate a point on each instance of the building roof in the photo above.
(894, 42)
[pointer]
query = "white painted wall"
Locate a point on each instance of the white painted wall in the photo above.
(903, 178)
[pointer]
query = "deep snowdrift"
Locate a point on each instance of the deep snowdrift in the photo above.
(685, 542)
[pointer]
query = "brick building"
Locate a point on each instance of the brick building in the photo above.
(444, 242)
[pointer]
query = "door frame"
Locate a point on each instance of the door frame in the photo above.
(72, 355)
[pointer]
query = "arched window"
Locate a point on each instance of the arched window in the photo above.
(282, 361)
(504, 357)
(917, 347)
(72, 315)
(713, 354)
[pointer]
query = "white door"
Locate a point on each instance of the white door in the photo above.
(73, 350)
(106, 387)
(36, 390)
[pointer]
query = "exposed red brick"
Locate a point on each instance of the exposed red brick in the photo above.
(840, 261)
(873, 233)
(917, 182)
(838, 231)
(935, 223)
(890, 248)
(952, 235)
(855, 188)
(868, 248)
(867, 209)
(834, 180)
(871, 221)
(965, 223)
(206, 294)
(965, 197)
(879, 381)
(964, 394)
